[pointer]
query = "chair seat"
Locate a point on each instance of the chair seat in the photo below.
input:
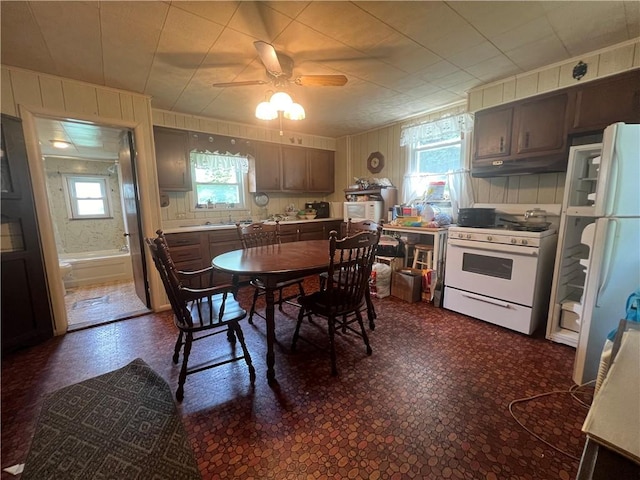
(205, 313)
(325, 303)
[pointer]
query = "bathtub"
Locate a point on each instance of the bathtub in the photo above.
(88, 268)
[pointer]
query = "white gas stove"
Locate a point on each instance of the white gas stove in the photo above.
(500, 275)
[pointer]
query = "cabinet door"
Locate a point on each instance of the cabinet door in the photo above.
(321, 170)
(172, 159)
(492, 134)
(294, 169)
(267, 168)
(288, 232)
(601, 103)
(222, 241)
(540, 125)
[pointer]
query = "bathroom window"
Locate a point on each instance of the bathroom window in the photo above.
(218, 180)
(87, 197)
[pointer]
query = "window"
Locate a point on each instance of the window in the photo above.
(87, 197)
(218, 180)
(436, 153)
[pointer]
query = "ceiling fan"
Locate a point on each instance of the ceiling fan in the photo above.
(280, 71)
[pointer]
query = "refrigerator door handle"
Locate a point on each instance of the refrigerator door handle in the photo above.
(612, 196)
(611, 246)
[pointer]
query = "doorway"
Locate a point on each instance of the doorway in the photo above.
(90, 176)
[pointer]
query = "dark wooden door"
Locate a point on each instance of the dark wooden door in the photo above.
(131, 203)
(26, 305)
(294, 169)
(267, 167)
(321, 170)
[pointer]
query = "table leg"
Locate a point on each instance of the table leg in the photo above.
(271, 335)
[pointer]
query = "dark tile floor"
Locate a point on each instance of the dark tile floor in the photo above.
(431, 402)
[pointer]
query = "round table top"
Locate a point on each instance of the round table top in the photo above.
(302, 256)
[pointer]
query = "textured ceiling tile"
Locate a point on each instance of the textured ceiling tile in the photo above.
(22, 43)
(130, 34)
(72, 40)
(474, 55)
(259, 20)
(404, 53)
(494, 18)
(529, 32)
(494, 69)
(528, 56)
(218, 12)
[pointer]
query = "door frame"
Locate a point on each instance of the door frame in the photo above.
(148, 212)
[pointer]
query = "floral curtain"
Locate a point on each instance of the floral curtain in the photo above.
(428, 132)
(212, 161)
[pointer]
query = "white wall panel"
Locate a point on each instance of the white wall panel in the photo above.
(52, 94)
(80, 98)
(7, 99)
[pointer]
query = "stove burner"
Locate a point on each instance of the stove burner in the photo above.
(524, 228)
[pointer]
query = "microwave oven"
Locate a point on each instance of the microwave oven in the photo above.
(359, 211)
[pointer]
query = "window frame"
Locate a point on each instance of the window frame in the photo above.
(193, 194)
(72, 201)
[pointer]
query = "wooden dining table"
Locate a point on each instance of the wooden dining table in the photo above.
(274, 264)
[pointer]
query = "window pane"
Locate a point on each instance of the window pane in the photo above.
(88, 189)
(439, 160)
(91, 207)
(217, 194)
(442, 137)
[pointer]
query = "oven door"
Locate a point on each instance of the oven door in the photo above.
(506, 272)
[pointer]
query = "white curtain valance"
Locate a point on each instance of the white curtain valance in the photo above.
(437, 130)
(213, 161)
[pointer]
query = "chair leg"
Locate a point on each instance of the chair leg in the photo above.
(280, 299)
(183, 370)
(371, 311)
(296, 333)
(231, 335)
(176, 349)
(256, 293)
(363, 331)
(332, 344)
(245, 351)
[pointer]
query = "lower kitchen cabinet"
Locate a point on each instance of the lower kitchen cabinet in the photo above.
(187, 251)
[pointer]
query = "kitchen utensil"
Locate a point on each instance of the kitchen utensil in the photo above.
(476, 217)
(529, 226)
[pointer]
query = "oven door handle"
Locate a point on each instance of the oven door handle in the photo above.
(494, 247)
(480, 298)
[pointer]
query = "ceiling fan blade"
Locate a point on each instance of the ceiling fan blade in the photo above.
(240, 84)
(321, 80)
(269, 57)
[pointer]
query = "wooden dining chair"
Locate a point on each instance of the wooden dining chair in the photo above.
(199, 312)
(340, 303)
(352, 228)
(261, 235)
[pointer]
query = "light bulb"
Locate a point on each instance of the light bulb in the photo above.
(281, 101)
(266, 111)
(295, 112)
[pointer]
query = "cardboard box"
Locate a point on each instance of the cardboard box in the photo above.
(406, 284)
(396, 263)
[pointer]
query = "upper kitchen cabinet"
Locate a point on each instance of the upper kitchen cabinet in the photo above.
(492, 134)
(287, 169)
(603, 102)
(264, 170)
(321, 170)
(523, 137)
(172, 159)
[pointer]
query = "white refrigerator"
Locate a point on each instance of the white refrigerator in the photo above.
(598, 256)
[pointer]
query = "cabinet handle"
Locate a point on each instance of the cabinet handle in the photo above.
(501, 144)
(526, 140)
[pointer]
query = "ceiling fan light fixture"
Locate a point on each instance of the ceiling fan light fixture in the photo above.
(281, 101)
(266, 111)
(294, 112)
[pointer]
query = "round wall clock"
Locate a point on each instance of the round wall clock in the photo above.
(375, 162)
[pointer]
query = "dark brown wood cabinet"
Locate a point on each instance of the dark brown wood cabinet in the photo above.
(492, 134)
(532, 135)
(603, 102)
(539, 126)
(172, 159)
(265, 171)
(287, 169)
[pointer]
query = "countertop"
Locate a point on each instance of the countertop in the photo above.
(190, 225)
